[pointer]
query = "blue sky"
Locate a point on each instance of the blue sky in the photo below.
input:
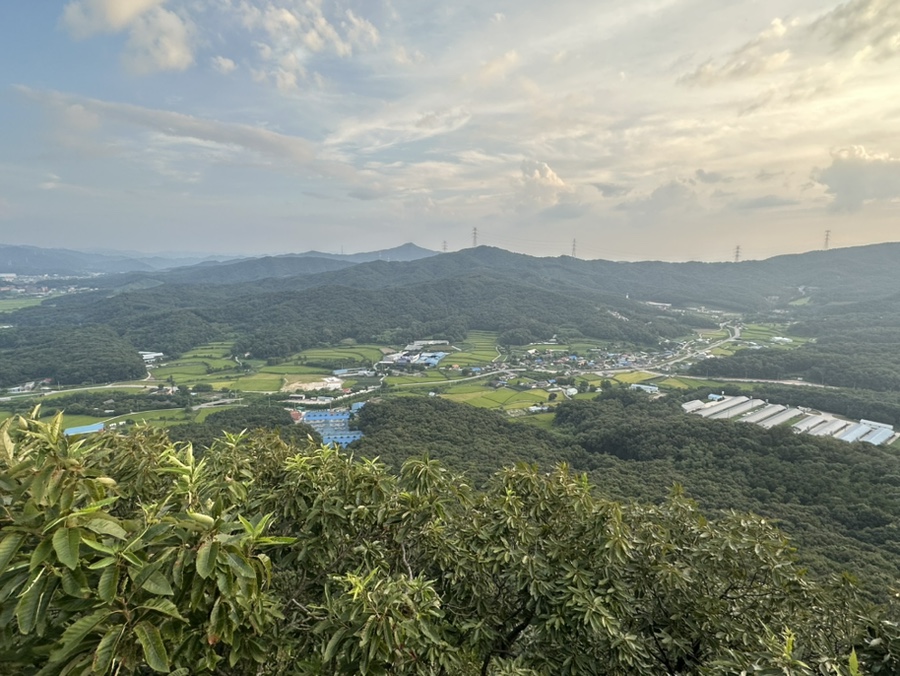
(669, 129)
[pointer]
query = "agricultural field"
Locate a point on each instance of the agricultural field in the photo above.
(478, 349)
(502, 398)
(10, 304)
(634, 377)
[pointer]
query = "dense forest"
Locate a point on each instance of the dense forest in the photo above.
(244, 418)
(839, 501)
(90, 354)
(125, 555)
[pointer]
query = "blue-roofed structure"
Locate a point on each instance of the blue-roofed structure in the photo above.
(342, 439)
(85, 429)
(358, 405)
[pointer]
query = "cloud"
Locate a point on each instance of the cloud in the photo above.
(223, 64)
(857, 176)
(870, 26)
(291, 151)
(159, 40)
(498, 68)
(612, 189)
(764, 202)
(711, 177)
(84, 18)
(669, 197)
(539, 186)
(753, 58)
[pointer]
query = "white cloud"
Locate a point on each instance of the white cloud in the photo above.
(673, 196)
(84, 18)
(857, 176)
(539, 186)
(159, 40)
(223, 64)
(497, 69)
(870, 26)
(753, 58)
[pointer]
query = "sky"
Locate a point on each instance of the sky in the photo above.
(647, 129)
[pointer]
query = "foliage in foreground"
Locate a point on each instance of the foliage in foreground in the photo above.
(123, 555)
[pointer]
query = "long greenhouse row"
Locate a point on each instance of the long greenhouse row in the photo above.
(766, 415)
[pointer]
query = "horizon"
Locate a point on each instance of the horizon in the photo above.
(234, 257)
(657, 130)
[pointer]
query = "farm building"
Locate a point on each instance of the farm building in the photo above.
(649, 389)
(85, 429)
(807, 424)
(855, 432)
(711, 409)
(763, 413)
(829, 429)
(780, 418)
(740, 409)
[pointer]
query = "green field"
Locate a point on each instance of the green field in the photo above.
(478, 349)
(10, 304)
(634, 377)
(483, 396)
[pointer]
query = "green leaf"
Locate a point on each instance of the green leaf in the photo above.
(154, 650)
(65, 543)
(26, 608)
(206, 558)
(8, 548)
(107, 527)
(158, 584)
(109, 583)
(106, 650)
(40, 553)
(164, 606)
(240, 565)
(75, 634)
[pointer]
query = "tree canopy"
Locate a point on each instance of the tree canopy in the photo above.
(125, 555)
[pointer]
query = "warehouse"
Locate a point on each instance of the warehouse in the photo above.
(723, 405)
(829, 429)
(855, 433)
(878, 436)
(763, 413)
(782, 417)
(807, 424)
(735, 411)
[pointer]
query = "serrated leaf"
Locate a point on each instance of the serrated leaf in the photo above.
(108, 584)
(158, 584)
(154, 649)
(65, 544)
(206, 558)
(106, 650)
(8, 548)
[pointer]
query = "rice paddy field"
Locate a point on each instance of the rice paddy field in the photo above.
(478, 349)
(504, 398)
(10, 304)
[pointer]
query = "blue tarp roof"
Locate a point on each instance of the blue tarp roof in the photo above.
(85, 429)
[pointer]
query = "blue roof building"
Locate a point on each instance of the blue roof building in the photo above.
(85, 429)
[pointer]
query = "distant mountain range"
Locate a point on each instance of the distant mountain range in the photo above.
(32, 260)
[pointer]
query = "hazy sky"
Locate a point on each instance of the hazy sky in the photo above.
(669, 129)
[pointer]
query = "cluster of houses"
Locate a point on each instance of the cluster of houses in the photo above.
(332, 425)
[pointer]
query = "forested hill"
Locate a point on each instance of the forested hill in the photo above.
(827, 276)
(839, 501)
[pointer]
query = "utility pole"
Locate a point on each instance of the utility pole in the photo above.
(474, 237)
(737, 254)
(827, 239)
(573, 248)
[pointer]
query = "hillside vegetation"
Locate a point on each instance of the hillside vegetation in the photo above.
(125, 555)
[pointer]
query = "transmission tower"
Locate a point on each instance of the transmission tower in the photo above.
(573, 249)
(737, 254)
(827, 239)
(444, 247)
(474, 237)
